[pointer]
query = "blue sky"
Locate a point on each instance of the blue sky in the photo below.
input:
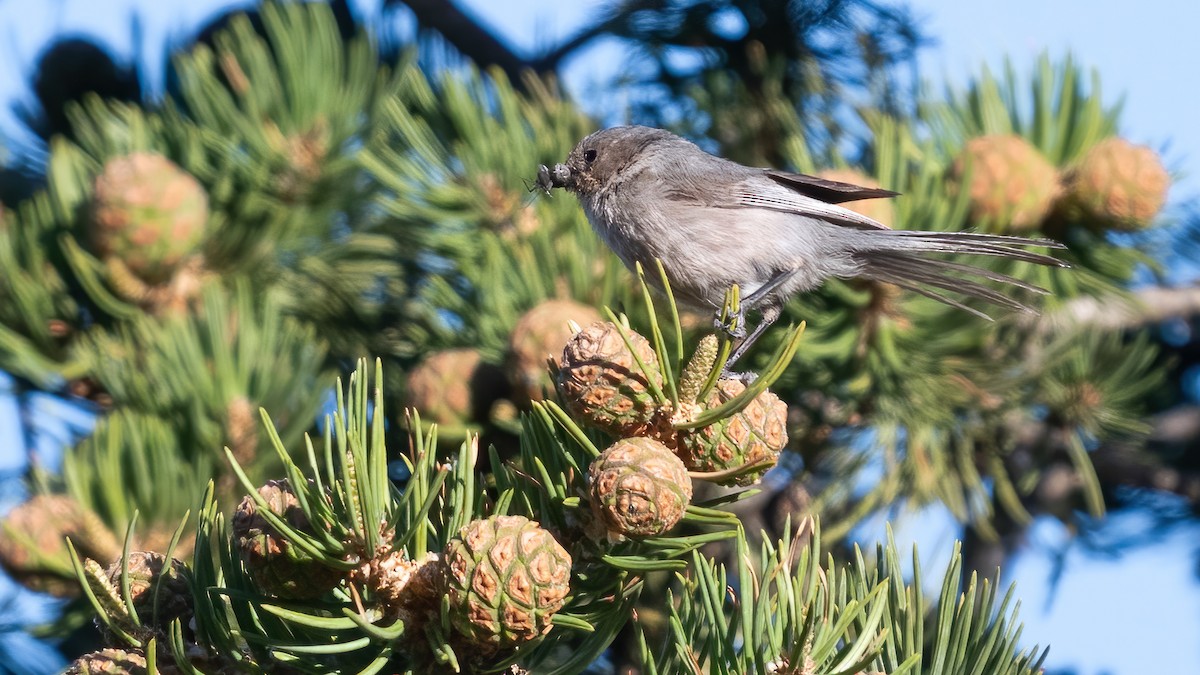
(1133, 614)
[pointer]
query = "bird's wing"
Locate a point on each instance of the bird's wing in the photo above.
(830, 191)
(804, 196)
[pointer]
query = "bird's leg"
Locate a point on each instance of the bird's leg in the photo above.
(770, 315)
(756, 298)
(736, 327)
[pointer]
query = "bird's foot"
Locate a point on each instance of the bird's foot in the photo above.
(747, 378)
(735, 327)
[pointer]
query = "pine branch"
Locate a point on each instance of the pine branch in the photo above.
(1131, 466)
(467, 35)
(483, 46)
(551, 59)
(1177, 428)
(1118, 312)
(1122, 465)
(1116, 464)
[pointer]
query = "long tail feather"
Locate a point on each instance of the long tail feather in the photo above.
(916, 273)
(983, 237)
(1000, 245)
(990, 275)
(934, 295)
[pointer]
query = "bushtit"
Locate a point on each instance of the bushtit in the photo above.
(713, 223)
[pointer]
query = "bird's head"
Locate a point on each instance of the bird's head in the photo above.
(599, 159)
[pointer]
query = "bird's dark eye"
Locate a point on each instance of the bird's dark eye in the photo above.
(589, 156)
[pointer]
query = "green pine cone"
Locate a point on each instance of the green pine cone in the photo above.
(505, 577)
(277, 567)
(1117, 185)
(454, 387)
(756, 435)
(45, 522)
(600, 380)
(1012, 185)
(639, 488)
(157, 600)
(538, 336)
(148, 213)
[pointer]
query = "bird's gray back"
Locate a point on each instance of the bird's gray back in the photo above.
(676, 203)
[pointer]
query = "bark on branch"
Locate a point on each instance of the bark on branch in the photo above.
(1142, 307)
(467, 35)
(478, 42)
(1174, 430)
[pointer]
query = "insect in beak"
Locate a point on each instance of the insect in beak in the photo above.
(548, 179)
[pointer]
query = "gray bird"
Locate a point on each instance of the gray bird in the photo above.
(713, 223)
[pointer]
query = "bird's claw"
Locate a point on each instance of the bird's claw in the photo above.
(747, 378)
(735, 327)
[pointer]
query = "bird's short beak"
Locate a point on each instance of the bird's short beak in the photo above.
(558, 177)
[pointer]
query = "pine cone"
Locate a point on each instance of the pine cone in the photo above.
(639, 488)
(1117, 185)
(46, 521)
(539, 335)
(277, 567)
(454, 387)
(116, 662)
(156, 602)
(601, 382)
(1012, 184)
(505, 578)
(882, 211)
(756, 434)
(407, 589)
(148, 213)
